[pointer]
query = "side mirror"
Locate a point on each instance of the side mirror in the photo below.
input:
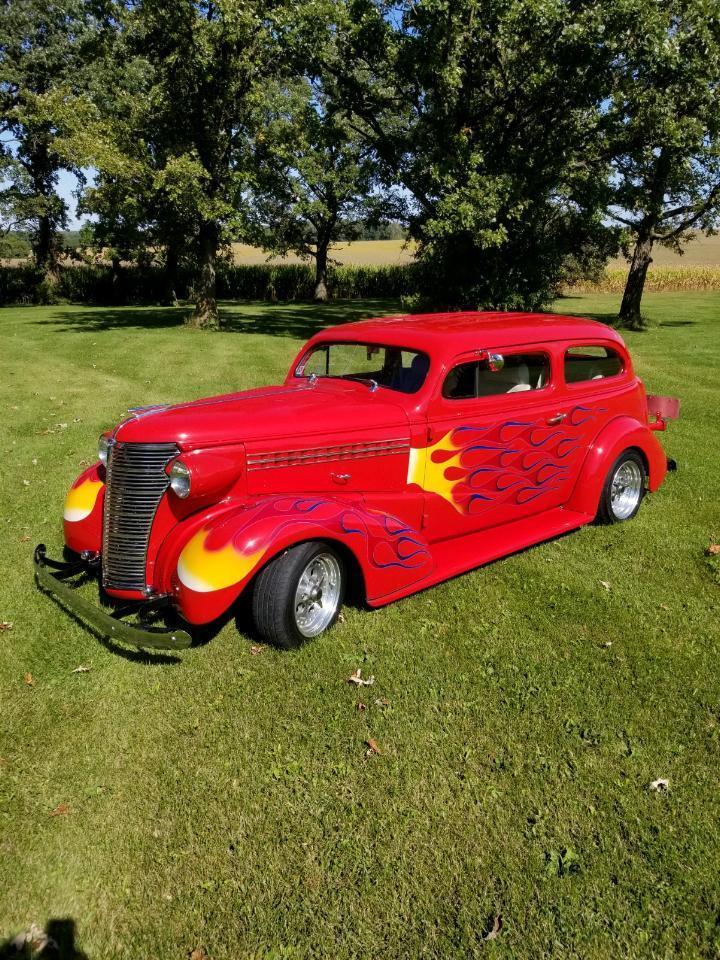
(496, 361)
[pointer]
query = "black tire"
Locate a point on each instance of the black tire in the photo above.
(274, 608)
(611, 508)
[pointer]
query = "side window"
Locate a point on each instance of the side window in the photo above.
(591, 363)
(519, 373)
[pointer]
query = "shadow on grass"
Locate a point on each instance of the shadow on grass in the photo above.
(287, 319)
(56, 942)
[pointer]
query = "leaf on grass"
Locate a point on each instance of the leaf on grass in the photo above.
(26, 483)
(713, 550)
(607, 644)
(3, 762)
(256, 650)
(29, 680)
(361, 707)
(5, 625)
(358, 680)
(199, 953)
(61, 810)
(604, 583)
(496, 928)
(81, 669)
(660, 786)
(25, 539)
(382, 702)
(372, 747)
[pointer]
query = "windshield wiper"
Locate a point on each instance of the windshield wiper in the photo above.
(372, 384)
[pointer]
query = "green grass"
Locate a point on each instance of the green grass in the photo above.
(224, 799)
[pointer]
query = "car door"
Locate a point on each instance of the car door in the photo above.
(497, 442)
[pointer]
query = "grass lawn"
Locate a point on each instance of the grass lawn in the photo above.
(223, 798)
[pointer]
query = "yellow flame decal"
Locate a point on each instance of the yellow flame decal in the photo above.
(429, 475)
(80, 500)
(206, 570)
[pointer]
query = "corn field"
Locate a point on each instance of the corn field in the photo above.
(659, 279)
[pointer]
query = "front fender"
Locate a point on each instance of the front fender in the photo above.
(83, 510)
(616, 436)
(219, 557)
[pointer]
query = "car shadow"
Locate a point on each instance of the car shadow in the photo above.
(55, 942)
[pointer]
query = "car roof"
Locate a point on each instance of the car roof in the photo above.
(452, 333)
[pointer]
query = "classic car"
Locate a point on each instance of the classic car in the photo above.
(399, 452)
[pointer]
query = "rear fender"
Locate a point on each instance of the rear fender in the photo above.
(616, 436)
(220, 557)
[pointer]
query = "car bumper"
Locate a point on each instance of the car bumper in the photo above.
(54, 578)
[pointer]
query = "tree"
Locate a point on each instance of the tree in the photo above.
(487, 112)
(206, 63)
(46, 48)
(664, 133)
(316, 181)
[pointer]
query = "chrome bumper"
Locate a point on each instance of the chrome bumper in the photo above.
(51, 577)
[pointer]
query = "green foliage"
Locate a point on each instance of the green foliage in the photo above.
(100, 284)
(46, 54)
(488, 114)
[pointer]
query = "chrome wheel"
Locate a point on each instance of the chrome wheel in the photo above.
(317, 596)
(626, 489)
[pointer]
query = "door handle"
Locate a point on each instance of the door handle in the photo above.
(558, 418)
(340, 477)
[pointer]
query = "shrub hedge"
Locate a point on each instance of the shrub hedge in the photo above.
(98, 284)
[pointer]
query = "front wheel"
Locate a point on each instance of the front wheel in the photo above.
(298, 595)
(624, 488)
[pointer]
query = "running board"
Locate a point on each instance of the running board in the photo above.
(461, 554)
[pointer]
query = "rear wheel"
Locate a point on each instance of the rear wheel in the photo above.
(624, 488)
(298, 595)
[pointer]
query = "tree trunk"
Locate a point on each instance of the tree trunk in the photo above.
(170, 272)
(630, 315)
(205, 315)
(321, 267)
(45, 252)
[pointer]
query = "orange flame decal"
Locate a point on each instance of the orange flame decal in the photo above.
(81, 500)
(204, 570)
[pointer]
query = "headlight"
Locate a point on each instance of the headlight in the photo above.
(180, 479)
(103, 450)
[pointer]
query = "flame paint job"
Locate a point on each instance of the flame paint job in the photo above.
(217, 561)
(474, 468)
(82, 513)
(81, 500)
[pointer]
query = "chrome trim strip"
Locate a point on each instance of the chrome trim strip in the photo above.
(345, 451)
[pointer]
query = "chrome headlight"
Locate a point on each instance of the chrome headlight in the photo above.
(180, 479)
(104, 449)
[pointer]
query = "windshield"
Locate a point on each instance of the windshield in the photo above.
(391, 367)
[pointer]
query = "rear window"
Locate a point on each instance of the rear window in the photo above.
(591, 363)
(520, 373)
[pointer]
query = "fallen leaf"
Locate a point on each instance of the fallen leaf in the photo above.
(372, 747)
(61, 810)
(607, 644)
(664, 606)
(81, 669)
(357, 679)
(341, 618)
(496, 928)
(199, 953)
(256, 650)
(26, 483)
(713, 550)
(361, 707)
(25, 539)
(34, 461)
(5, 625)
(62, 426)
(604, 583)
(3, 762)
(660, 786)
(29, 680)
(382, 702)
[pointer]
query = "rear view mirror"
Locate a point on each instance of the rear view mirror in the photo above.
(496, 361)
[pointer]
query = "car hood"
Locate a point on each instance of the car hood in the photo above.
(324, 408)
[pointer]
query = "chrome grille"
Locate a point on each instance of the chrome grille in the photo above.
(136, 482)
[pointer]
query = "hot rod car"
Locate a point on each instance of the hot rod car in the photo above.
(398, 452)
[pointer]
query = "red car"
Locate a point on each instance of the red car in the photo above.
(398, 452)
